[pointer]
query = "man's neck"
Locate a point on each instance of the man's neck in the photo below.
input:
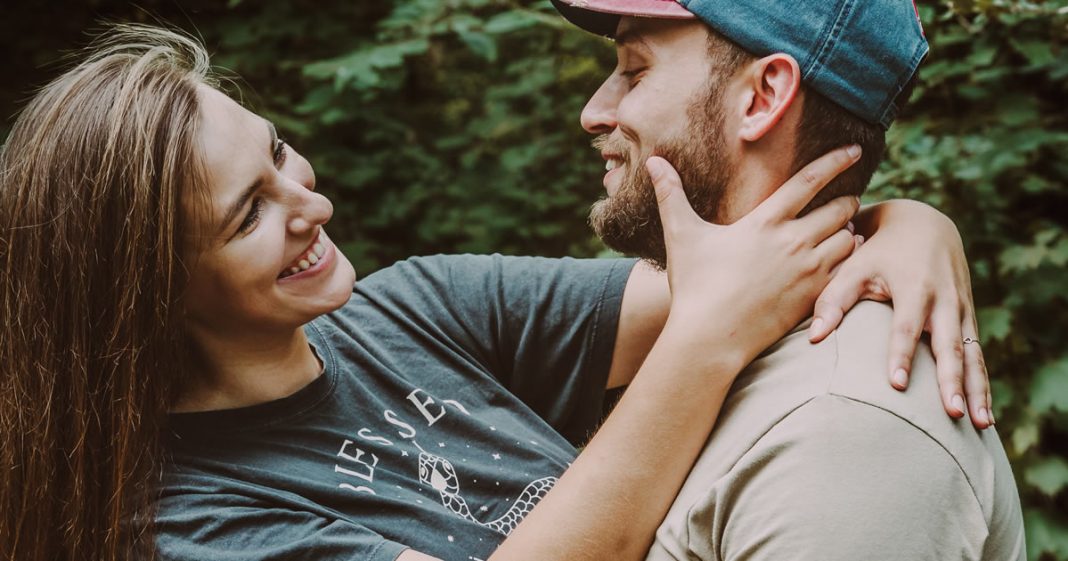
(764, 167)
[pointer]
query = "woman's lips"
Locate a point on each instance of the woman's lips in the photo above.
(315, 258)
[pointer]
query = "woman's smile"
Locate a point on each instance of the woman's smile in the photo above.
(317, 257)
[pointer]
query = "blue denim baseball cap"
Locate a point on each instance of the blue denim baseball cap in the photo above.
(859, 54)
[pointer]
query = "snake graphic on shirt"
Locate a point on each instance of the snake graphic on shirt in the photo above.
(439, 474)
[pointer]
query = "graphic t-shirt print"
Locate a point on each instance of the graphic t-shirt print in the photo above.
(356, 466)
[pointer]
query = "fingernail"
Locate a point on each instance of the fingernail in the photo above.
(984, 415)
(958, 403)
(849, 226)
(653, 167)
(992, 421)
(853, 151)
(900, 378)
(860, 239)
(817, 325)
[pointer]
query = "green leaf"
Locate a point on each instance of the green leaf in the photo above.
(994, 323)
(509, 21)
(1045, 534)
(1049, 475)
(1003, 393)
(983, 56)
(1024, 437)
(1049, 388)
(1037, 51)
(481, 44)
(1021, 258)
(361, 67)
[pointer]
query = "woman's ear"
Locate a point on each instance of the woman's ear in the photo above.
(771, 85)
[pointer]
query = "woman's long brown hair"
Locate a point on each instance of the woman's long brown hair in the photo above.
(92, 182)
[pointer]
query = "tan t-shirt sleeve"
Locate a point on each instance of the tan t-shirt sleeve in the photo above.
(840, 480)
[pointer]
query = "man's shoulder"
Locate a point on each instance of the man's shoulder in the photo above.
(828, 408)
(854, 367)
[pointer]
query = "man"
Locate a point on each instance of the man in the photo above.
(813, 456)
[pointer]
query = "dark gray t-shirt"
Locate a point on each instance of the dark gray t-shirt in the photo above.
(454, 391)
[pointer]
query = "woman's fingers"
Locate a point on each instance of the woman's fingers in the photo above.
(829, 219)
(676, 214)
(947, 344)
(910, 316)
(786, 202)
(977, 386)
(839, 296)
(976, 380)
(835, 249)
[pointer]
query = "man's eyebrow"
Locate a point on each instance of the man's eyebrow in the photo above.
(235, 208)
(631, 37)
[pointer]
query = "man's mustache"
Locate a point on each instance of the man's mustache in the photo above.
(604, 143)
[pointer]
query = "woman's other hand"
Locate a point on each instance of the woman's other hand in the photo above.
(915, 257)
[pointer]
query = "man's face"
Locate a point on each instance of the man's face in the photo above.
(664, 98)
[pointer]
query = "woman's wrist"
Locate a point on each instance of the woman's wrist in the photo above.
(724, 349)
(905, 212)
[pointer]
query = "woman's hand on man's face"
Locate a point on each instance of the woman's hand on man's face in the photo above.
(752, 281)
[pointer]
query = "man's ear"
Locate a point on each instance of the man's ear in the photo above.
(771, 86)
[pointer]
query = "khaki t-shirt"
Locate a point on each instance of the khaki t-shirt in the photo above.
(816, 457)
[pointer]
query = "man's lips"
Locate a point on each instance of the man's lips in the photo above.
(612, 160)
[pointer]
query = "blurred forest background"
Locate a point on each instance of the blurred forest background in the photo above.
(452, 126)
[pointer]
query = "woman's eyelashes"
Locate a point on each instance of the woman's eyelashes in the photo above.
(279, 152)
(257, 204)
(256, 210)
(253, 216)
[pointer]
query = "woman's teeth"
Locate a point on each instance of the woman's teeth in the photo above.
(307, 260)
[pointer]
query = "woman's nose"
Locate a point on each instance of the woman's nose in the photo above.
(308, 208)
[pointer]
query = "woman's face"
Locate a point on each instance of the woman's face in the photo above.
(264, 262)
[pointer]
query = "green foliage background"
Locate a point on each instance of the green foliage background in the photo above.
(452, 126)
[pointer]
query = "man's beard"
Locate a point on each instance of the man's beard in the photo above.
(629, 221)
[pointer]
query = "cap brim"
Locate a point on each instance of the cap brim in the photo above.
(602, 16)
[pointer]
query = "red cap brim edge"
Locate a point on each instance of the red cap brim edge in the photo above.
(640, 8)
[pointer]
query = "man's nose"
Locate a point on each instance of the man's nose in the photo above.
(599, 115)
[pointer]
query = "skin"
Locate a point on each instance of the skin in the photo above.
(639, 104)
(680, 347)
(247, 323)
(245, 320)
(643, 104)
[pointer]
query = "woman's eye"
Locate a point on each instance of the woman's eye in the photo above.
(253, 217)
(279, 152)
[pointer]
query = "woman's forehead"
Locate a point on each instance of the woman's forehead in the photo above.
(231, 140)
(224, 125)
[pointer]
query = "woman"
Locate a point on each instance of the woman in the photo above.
(189, 372)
